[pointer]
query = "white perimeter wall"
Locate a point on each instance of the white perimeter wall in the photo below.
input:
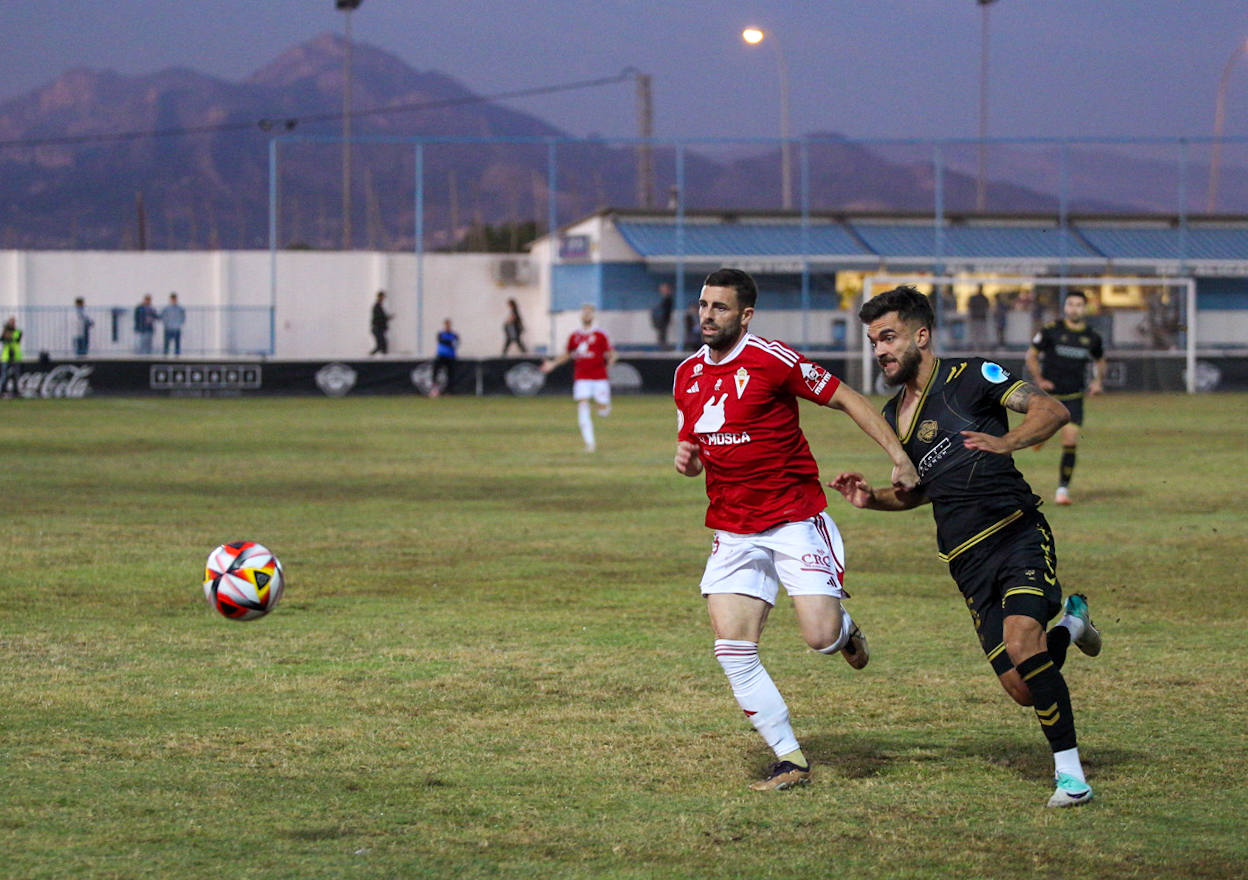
(324, 300)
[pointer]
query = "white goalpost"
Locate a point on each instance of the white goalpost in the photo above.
(873, 284)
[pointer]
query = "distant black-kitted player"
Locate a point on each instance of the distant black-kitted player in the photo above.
(950, 415)
(1058, 362)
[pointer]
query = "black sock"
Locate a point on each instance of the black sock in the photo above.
(1067, 466)
(1058, 639)
(1050, 699)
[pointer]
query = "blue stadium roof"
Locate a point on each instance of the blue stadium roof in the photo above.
(898, 240)
(880, 239)
(654, 238)
(1203, 242)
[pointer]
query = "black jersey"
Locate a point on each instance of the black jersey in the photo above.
(1065, 354)
(974, 493)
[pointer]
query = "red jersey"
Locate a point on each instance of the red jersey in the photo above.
(742, 412)
(588, 349)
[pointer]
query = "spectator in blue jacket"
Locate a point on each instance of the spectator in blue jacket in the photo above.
(444, 363)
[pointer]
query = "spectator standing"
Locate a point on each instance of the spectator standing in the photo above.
(661, 314)
(513, 329)
(145, 316)
(979, 306)
(444, 362)
(82, 328)
(693, 330)
(1001, 316)
(10, 357)
(380, 324)
(172, 318)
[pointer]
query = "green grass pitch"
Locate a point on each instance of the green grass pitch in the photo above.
(491, 660)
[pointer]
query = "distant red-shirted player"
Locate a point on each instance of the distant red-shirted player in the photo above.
(591, 353)
(738, 422)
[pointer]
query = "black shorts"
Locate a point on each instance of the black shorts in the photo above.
(1014, 574)
(1075, 406)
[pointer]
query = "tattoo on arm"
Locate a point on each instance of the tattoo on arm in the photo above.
(1020, 398)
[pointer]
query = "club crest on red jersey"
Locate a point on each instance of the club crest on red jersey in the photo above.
(742, 379)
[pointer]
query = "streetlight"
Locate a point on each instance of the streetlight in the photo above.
(1219, 120)
(980, 185)
(754, 36)
(347, 6)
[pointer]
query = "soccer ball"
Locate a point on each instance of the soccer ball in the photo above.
(243, 580)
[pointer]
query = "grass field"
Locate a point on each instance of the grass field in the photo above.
(492, 661)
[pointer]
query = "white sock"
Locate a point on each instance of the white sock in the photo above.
(1067, 761)
(757, 694)
(586, 421)
(1074, 624)
(847, 627)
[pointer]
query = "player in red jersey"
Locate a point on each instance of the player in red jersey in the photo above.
(736, 400)
(591, 353)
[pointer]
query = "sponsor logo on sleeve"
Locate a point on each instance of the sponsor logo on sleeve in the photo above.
(816, 377)
(994, 373)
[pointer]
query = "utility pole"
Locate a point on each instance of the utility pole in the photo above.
(981, 187)
(645, 150)
(347, 6)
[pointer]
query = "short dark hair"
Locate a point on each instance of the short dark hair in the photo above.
(1079, 293)
(741, 282)
(910, 305)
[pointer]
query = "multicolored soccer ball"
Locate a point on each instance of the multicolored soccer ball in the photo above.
(243, 580)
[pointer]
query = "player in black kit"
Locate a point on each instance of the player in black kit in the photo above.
(1066, 347)
(951, 417)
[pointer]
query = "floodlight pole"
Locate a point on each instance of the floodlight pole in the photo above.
(981, 191)
(754, 36)
(1219, 121)
(347, 6)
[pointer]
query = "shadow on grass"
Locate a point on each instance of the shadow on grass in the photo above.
(1113, 494)
(1028, 757)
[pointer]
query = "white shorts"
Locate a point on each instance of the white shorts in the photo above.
(808, 557)
(597, 390)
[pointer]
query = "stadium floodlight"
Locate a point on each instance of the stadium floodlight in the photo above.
(347, 4)
(754, 36)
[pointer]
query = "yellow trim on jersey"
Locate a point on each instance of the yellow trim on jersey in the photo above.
(1022, 591)
(995, 652)
(914, 420)
(971, 542)
(1006, 394)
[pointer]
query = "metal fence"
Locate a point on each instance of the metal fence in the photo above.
(208, 332)
(423, 193)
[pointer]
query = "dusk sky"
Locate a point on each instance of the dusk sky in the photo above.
(864, 68)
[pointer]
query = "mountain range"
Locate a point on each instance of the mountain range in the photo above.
(180, 160)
